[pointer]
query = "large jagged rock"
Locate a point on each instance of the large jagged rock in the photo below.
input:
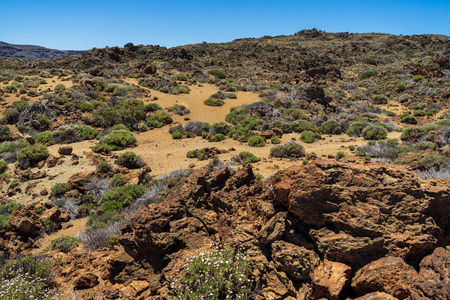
(369, 211)
(25, 220)
(306, 232)
(294, 260)
(390, 275)
(329, 279)
(434, 280)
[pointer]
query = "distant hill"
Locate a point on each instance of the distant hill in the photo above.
(33, 52)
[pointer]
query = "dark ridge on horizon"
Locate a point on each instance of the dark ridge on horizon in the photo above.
(30, 52)
(27, 52)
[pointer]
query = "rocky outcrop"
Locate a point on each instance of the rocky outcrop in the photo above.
(328, 229)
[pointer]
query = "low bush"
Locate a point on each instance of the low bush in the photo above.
(275, 140)
(368, 74)
(408, 119)
(218, 137)
(60, 189)
(44, 138)
(64, 243)
(130, 160)
(123, 195)
(245, 158)
(374, 132)
(118, 180)
(216, 275)
(179, 110)
(219, 74)
(31, 155)
(256, 141)
(290, 149)
(27, 277)
(331, 127)
(213, 102)
(119, 139)
(4, 133)
(177, 135)
(309, 136)
(356, 128)
(104, 167)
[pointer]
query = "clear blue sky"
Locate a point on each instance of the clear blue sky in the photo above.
(81, 24)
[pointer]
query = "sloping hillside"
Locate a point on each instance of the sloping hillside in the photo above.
(33, 52)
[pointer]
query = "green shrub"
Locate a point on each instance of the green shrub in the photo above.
(374, 132)
(13, 145)
(331, 127)
(60, 189)
(27, 277)
(339, 155)
(218, 137)
(256, 141)
(86, 107)
(432, 160)
(418, 78)
(288, 149)
(245, 158)
(380, 99)
(31, 155)
(123, 194)
(309, 136)
(44, 122)
(44, 138)
(3, 166)
(159, 118)
(119, 139)
(176, 135)
(219, 74)
(408, 119)
(356, 128)
(20, 105)
(60, 88)
(4, 133)
(64, 243)
(213, 102)
(216, 275)
(302, 125)
(400, 87)
(368, 74)
(12, 115)
(118, 180)
(152, 107)
(232, 95)
(275, 140)
(104, 167)
(130, 160)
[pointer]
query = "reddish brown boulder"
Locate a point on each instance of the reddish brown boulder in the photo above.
(389, 274)
(86, 281)
(294, 260)
(434, 280)
(358, 201)
(51, 214)
(80, 180)
(25, 220)
(329, 279)
(377, 296)
(65, 150)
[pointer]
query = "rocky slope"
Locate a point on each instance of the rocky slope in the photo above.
(334, 230)
(27, 52)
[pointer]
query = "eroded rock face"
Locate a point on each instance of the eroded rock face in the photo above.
(434, 281)
(294, 260)
(374, 211)
(25, 220)
(329, 279)
(390, 274)
(326, 230)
